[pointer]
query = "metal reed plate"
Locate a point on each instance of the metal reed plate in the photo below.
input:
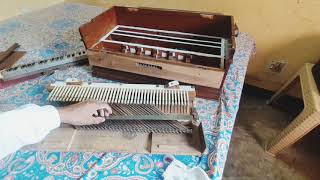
(140, 126)
(143, 112)
(125, 118)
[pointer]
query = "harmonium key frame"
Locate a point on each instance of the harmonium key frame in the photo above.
(168, 100)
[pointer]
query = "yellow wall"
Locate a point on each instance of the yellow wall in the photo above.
(284, 30)
(10, 8)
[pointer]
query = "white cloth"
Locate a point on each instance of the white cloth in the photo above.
(179, 171)
(28, 124)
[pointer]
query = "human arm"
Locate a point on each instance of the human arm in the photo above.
(29, 124)
(85, 113)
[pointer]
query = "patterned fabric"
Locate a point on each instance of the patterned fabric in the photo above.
(52, 32)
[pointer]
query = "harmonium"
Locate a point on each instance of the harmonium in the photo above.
(145, 45)
(145, 118)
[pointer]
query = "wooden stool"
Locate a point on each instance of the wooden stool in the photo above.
(307, 120)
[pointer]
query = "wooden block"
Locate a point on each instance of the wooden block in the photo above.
(8, 52)
(66, 138)
(186, 144)
(173, 144)
(11, 59)
(107, 141)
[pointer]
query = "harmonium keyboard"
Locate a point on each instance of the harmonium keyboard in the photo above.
(19, 73)
(146, 118)
(144, 45)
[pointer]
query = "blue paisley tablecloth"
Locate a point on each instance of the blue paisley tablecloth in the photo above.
(54, 31)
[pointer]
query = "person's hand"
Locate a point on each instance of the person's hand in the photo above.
(85, 113)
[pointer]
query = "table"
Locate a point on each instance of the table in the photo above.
(54, 31)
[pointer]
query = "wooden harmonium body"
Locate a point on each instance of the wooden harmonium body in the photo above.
(144, 45)
(146, 119)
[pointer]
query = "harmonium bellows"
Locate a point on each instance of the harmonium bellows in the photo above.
(143, 45)
(166, 113)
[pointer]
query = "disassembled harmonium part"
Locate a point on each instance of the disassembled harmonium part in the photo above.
(136, 107)
(43, 66)
(142, 119)
(177, 99)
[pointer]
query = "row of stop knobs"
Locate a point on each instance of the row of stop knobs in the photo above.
(158, 54)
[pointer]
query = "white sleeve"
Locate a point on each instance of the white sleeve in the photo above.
(26, 125)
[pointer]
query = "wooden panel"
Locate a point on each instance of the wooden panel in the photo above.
(11, 59)
(106, 141)
(177, 143)
(94, 30)
(10, 56)
(68, 139)
(197, 76)
(176, 20)
(8, 52)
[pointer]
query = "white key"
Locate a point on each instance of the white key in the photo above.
(157, 97)
(123, 100)
(179, 95)
(67, 93)
(154, 94)
(112, 96)
(119, 96)
(99, 94)
(129, 96)
(90, 92)
(76, 92)
(151, 96)
(95, 94)
(144, 96)
(135, 96)
(61, 93)
(106, 93)
(53, 93)
(84, 94)
(148, 96)
(73, 91)
(138, 96)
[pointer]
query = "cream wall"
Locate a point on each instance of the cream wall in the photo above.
(286, 30)
(10, 8)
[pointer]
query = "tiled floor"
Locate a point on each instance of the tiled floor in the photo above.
(257, 123)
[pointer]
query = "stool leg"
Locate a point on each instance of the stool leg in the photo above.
(304, 123)
(283, 88)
